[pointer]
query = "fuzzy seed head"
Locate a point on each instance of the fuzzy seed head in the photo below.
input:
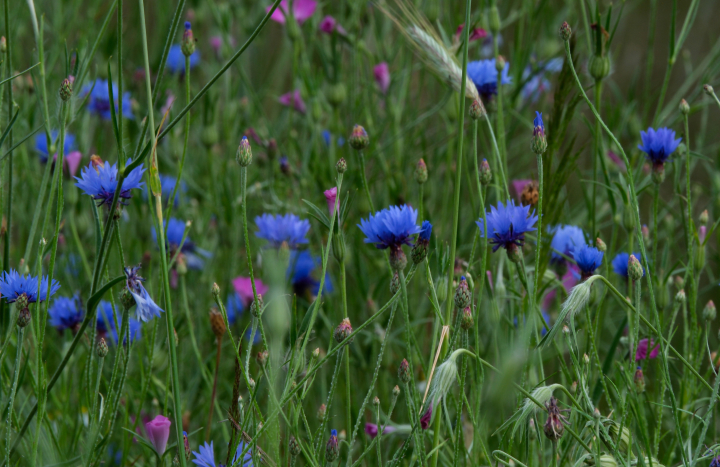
(217, 324)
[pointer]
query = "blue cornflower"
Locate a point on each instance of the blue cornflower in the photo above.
(278, 229)
(100, 181)
(99, 100)
(13, 286)
(192, 254)
(620, 263)
(327, 135)
(105, 321)
(176, 60)
(658, 144)
(66, 313)
(234, 307)
(588, 259)
(300, 269)
(42, 148)
(507, 225)
(135, 331)
(425, 231)
(565, 240)
(391, 228)
(146, 307)
(484, 75)
(206, 456)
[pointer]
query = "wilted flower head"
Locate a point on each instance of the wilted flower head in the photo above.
(100, 181)
(293, 99)
(99, 100)
(484, 75)
(391, 228)
(176, 60)
(302, 10)
(66, 313)
(381, 73)
(643, 350)
(588, 259)
(507, 225)
(565, 240)
(658, 144)
(146, 307)
(175, 230)
(282, 228)
(620, 263)
(14, 287)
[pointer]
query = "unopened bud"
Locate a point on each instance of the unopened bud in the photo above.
(215, 290)
(343, 331)
(565, 31)
(262, 357)
(680, 297)
(294, 446)
(635, 270)
(500, 63)
(396, 391)
(126, 299)
(395, 283)
(243, 156)
(599, 67)
(684, 107)
(359, 138)
(316, 353)
(101, 348)
(485, 173)
(586, 359)
(600, 245)
(639, 380)
(708, 89)
(709, 312)
(404, 371)
(462, 294)
(322, 410)
(66, 90)
(477, 109)
(256, 308)
(188, 41)
(376, 401)
(341, 166)
(24, 317)
(421, 172)
(466, 320)
(704, 217)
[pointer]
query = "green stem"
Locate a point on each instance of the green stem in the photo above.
(8, 215)
(364, 181)
(348, 402)
(13, 389)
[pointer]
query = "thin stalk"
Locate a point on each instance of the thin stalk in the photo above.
(161, 242)
(536, 284)
(348, 400)
(171, 199)
(8, 215)
(214, 388)
(364, 181)
(597, 155)
(13, 389)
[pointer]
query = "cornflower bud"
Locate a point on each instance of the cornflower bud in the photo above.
(256, 308)
(359, 138)
(539, 140)
(599, 67)
(708, 89)
(24, 317)
(684, 107)
(188, 41)
(332, 450)
(396, 391)
(294, 447)
(494, 20)
(709, 312)
(635, 270)
(398, 260)
(66, 90)
(376, 401)
(341, 166)
(680, 297)
(322, 410)
(126, 299)
(243, 156)
(485, 173)
(343, 331)
(600, 245)
(462, 294)
(679, 282)
(477, 109)
(704, 217)
(101, 348)
(565, 31)
(404, 371)
(639, 380)
(466, 320)
(500, 63)
(421, 172)
(316, 353)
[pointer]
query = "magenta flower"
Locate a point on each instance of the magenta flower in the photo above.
(158, 431)
(372, 430)
(302, 11)
(702, 233)
(426, 417)
(381, 72)
(294, 100)
(475, 34)
(72, 162)
(642, 350)
(329, 25)
(243, 287)
(616, 160)
(331, 197)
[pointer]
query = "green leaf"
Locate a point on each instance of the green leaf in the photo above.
(318, 214)
(95, 299)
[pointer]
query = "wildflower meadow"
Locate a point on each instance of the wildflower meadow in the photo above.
(354, 233)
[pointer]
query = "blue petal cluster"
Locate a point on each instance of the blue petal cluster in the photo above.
(620, 263)
(175, 229)
(390, 228)
(13, 284)
(536, 82)
(300, 272)
(100, 182)
(658, 144)
(278, 229)
(42, 148)
(507, 224)
(206, 456)
(327, 135)
(176, 60)
(588, 259)
(66, 313)
(99, 100)
(425, 231)
(484, 75)
(105, 324)
(146, 309)
(565, 240)
(234, 307)
(538, 126)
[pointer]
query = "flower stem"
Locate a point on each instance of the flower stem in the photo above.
(214, 388)
(348, 400)
(364, 181)
(13, 389)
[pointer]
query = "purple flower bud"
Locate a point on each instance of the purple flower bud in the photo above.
(158, 431)
(381, 73)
